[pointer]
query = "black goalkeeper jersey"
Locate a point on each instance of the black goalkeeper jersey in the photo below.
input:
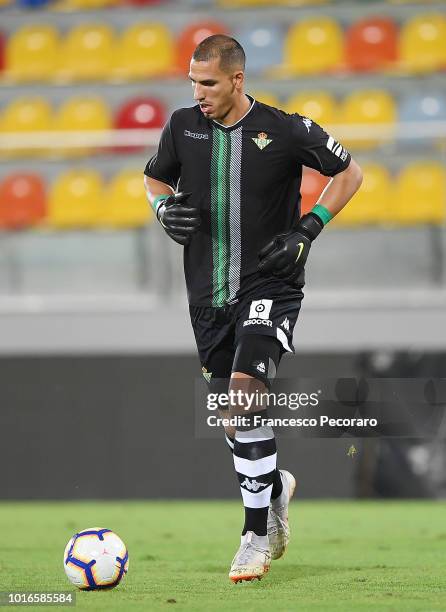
(245, 179)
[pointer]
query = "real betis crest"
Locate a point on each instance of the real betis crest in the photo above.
(262, 140)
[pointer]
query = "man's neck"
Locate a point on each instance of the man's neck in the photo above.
(238, 111)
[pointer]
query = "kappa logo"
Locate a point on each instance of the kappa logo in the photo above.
(285, 324)
(262, 140)
(207, 375)
(307, 123)
(196, 135)
(252, 485)
(261, 367)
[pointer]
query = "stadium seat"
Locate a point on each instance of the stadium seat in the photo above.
(142, 2)
(32, 53)
(26, 115)
(191, 37)
(266, 97)
(2, 52)
(139, 113)
(22, 201)
(371, 204)
(422, 43)
(145, 50)
(421, 108)
(88, 53)
(313, 46)
(263, 47)
(320, 106)
(313, 184)
(371, 44)
(72, 5)
(420, 194)
(126, 202)
(373, 111)
(31, 4)
(82, 115)
(76, 200)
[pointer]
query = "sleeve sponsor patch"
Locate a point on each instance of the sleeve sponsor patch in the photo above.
(336, 148)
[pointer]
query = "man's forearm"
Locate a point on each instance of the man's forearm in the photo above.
(341, 189)
(155, 189)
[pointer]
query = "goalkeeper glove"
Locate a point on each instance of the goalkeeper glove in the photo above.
(285, 256)
(179, 220)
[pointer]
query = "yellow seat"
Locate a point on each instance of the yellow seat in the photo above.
(76, 200)
(371, 204)
(26, 115)
(126, 202)
(267, 98)
(369, 117)
(422, 43)
(70, 5)
(145, 50)
(313, 46)
(420, 194)
(79, 115)
(32, 53)
(319, 106)
(88, 53)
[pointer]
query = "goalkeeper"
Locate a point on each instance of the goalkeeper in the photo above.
(225, 184)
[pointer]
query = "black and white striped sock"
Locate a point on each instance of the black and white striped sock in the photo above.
(255, 463)
(277, 480)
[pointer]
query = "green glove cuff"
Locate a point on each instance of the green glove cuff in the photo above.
(157, 202)
(323, 213)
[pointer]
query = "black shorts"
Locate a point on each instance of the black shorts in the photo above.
(218, 331)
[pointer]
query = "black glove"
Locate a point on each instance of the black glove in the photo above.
(285, 256)
(179, 220)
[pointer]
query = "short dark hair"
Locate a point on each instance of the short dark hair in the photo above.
(226, 49)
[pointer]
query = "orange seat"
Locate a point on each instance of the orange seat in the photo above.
(422, 43)
(145, 50)
(420, 194)
(32, 53)
(126, 201)
(22, 200)
(76, 200)
(314, 46)
(313, 184)
(371, 44)
(88, 53)
(2, 52)
(191, 37)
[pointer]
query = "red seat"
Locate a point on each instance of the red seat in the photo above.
(312, 186)
(139, 113)
(371, 44)
(191, 37)
(22, 201)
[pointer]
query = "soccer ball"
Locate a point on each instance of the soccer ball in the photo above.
(95, 559)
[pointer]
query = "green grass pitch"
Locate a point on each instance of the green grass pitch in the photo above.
(343, 555)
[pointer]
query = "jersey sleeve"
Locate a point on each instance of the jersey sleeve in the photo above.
(311, 146)
(165, 165)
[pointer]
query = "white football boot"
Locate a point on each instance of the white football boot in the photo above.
(253, 558)
(278, 527)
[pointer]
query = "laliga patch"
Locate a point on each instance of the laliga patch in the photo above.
(260, 309)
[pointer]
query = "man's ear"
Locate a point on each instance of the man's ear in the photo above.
(238, 79)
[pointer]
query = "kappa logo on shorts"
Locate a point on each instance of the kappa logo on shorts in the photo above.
(285, 324)
(259, 313)
(260, 366)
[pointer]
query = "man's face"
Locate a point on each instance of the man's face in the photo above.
(214, 89)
